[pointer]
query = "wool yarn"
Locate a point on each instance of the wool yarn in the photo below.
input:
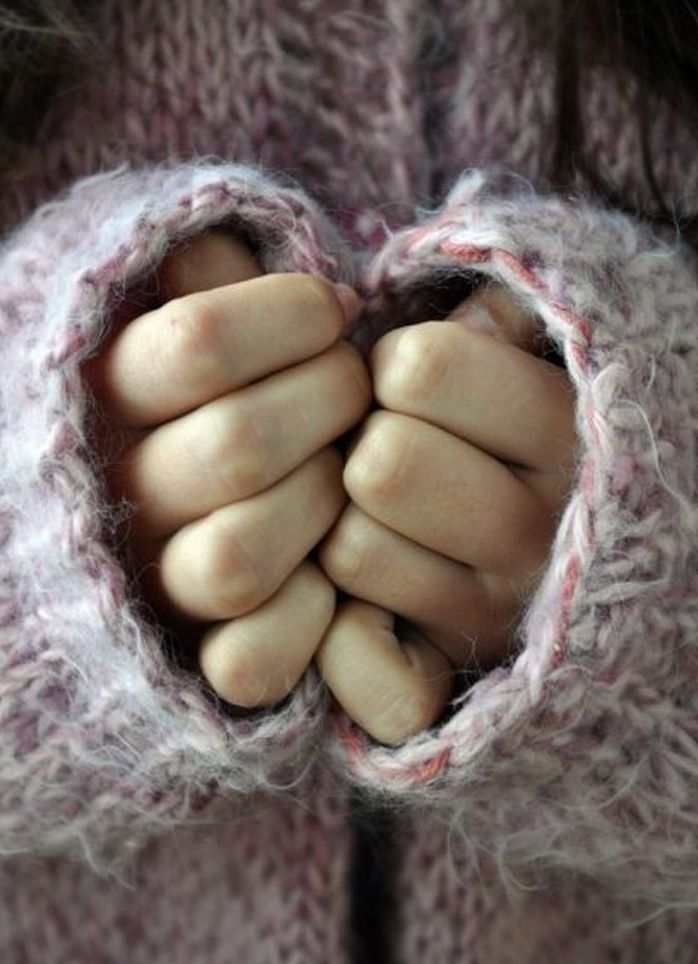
(398, 146)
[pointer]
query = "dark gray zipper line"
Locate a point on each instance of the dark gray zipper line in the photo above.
(372, 874)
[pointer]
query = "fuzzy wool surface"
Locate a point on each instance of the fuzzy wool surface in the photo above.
(557, 802)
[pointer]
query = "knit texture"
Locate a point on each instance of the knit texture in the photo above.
(319, 91)
(103, 743)
(459, 909)
(578, 739)
(267, 886)
(555, 806)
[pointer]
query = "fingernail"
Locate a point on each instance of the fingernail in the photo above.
(477, 317)
(352, 304)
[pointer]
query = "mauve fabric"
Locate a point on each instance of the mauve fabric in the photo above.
(400, 146)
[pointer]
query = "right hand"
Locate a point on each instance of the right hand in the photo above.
(235, 387)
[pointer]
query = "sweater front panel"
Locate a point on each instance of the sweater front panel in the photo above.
(374, 111)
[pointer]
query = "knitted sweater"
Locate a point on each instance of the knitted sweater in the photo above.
(551, 814)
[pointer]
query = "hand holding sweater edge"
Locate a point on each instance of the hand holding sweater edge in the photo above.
(114, 720)
(563, 757)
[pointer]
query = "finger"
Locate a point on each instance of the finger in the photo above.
(495, 310)
(239, 445)
(447, 495)
(210, 260)
(256, 660)
(490, 393)
(195, 348)
(390, 688)
(445, 600)
(232, 561)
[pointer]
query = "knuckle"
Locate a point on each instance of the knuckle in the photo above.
(347, 555)
(233, 454)
(235, 584)
(192, 339)
(411, 366)
(314, 298)
(374, 472)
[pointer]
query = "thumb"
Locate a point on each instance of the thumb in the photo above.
(495, 310)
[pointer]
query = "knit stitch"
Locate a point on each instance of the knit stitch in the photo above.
(555, 805)
(627, 542)
(86, 695)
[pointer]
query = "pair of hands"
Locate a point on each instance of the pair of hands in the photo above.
(234, 391)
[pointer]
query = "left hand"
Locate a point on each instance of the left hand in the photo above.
(457, 484)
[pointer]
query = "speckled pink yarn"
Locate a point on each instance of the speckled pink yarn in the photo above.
(552, 817)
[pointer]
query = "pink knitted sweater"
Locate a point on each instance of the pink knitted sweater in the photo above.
(551, 816)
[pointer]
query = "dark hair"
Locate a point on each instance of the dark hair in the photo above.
(655, 44)
(43, 43)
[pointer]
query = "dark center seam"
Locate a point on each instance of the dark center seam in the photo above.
(372, 875)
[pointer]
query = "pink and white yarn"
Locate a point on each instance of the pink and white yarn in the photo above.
(139, 819)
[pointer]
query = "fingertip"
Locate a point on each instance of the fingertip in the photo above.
(393, 690)
(255, 661)
(475, 317)
(212, 259)
(351, 302)
(498, 312)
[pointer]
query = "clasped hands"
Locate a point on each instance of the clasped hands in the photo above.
(435, 527)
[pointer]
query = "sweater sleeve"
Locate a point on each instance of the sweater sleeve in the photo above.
(103, 741)
(582, 751)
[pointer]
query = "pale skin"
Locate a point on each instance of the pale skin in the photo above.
(235, 391)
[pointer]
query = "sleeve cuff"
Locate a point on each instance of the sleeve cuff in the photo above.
(583, 752)
(103, 741)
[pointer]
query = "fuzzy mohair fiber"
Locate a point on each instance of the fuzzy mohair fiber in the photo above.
(556, 804)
